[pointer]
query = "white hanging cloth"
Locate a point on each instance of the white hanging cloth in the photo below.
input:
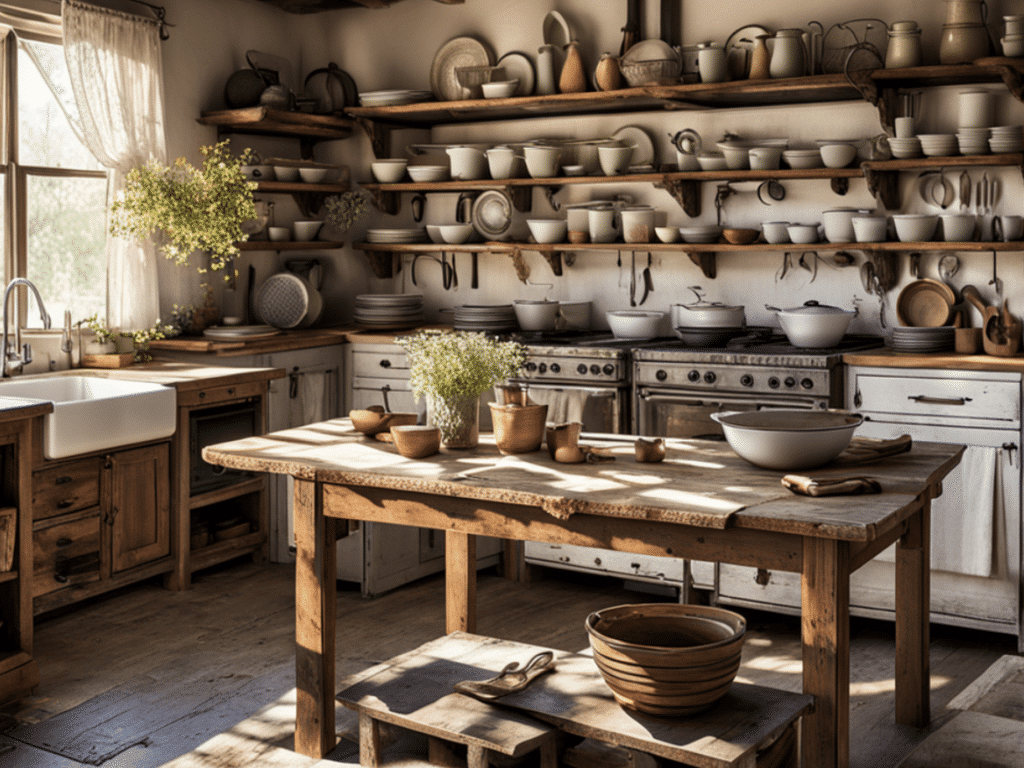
(116, 74)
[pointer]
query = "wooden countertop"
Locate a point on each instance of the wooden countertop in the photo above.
(17, 408)
(701, 482)
(184, 377)
(286, 341)
(889, 358)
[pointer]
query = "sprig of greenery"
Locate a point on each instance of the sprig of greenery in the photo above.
(142, 337)
(196, 209)
(344, 210)
(457, 364)
(100, 332)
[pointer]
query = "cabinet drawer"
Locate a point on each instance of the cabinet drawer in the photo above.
(66, 488)
(385, 365)
(66, 553)
(226, 393)
(992, 400)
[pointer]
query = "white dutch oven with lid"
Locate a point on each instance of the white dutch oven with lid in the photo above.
(814, 325)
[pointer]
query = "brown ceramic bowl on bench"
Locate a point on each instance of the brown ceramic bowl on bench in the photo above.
(664, 658)
(416, 441)
(371, 420)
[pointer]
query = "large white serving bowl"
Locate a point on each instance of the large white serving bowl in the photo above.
(390, 170)
(788, 439)
(634, 323)
(456, 234)
(915, 227)
(838, 155)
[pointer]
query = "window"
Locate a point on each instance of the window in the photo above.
(55, 191)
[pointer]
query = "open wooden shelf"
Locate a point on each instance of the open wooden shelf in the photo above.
(222, 551)
(274, 122)
(289, 245)
(240, 488)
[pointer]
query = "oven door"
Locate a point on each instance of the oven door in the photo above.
(600, 409)
(683, 414)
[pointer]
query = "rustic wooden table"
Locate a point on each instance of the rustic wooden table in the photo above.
(702, 502)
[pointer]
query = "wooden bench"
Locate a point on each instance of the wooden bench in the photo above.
(752, 727)
(989, 722)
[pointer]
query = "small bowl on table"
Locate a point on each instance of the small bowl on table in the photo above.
(375, 419)
(789, 440)
(416, 441)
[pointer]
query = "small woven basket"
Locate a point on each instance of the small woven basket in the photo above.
(651, 71)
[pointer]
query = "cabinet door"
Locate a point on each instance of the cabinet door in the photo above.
(139, 512)
(66, 551)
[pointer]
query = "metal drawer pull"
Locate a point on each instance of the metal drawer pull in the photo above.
(939, 400)
(64, 542)
(65, 503)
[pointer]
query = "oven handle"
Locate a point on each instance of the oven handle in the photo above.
(592, 392)
(701, 398)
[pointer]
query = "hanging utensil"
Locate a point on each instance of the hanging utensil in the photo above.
(455, 274)
(648, 280)
(632, 279)
(474, 270)
(867, 276)
(915, 265)
(631, 32)
(949, 265)
(995, 281)
(965, 190)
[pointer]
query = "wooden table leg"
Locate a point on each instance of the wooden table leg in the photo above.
(825, 629)
(315, 621)
(913, 590)
(460, 582)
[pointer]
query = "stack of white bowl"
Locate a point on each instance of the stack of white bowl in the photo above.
(904, 149)
(388, 310)
(1006, 138)
(938, 144)
(973, 141)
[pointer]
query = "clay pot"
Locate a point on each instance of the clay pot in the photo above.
(518, 428)
(607, 75)
(415, 441)
(563, 441)
(649, 449)
(573, 79)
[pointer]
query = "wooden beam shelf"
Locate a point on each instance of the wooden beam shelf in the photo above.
(288, 245)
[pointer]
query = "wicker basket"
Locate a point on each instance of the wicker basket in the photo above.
(518, 428)
(651, 71)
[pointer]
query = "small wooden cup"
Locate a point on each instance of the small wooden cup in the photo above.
(416, 441)
(967, 341)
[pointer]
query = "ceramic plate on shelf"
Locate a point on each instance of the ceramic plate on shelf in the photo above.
(518, 65)
(738, 47)
(492, 214)
(458, 52)
(240, 332)
(643, 152)
(393, 98)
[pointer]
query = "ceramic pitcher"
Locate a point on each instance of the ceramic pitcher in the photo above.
(964, 34)
(789, 58)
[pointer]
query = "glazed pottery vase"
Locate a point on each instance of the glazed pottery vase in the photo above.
(760, 59)
(458, 419)
(608, 76)
(574, 78)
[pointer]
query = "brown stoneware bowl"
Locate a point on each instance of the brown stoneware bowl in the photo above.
(664, 658)
(416, 441)
(371, 421)
(740, 236)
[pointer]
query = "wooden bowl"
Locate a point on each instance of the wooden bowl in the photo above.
(667, 659)
(415, 441)
(371, 421)
(740, 236)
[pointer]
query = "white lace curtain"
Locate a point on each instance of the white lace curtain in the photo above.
(114, 64)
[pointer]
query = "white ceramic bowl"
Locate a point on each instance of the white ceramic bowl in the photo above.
(765, 158)
(455, 234)
(802, 234)
(614, 159)
(434, 233)
(915, 227)
(802, 159)
(736, 154)
(279, 234)
(574, 169)
(306, 230)
(548, 230)
(536, 315)
(957, 227)
(286, 173)
(634, 323)
(701, 233)
(499, 89)
(838, 224)
(775, 232)
(869, 229)
(837, 155)
(788, 440)
(389, 171)
(667, 234)
(422, 173)
(712, 161)
(313, 175)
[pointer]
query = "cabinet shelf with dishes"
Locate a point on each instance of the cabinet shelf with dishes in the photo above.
(290, 245)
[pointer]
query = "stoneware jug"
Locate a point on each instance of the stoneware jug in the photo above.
(789, 57)
(904, 49)
(964, 35)
(760, 59)
(573, 78)
(712, 63)
(607, 75)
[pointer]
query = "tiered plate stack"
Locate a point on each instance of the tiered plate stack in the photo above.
(487, 318)
(388, 311)
(923, 339)
(1006, 139)
(393, 98)
(396, 236)
(938, 144)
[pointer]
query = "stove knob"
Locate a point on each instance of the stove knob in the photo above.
(774, 382)
(747, 380)
(710, 377)
(609, 369)
(595, 369)
(556, 368)
(661, 375)
(543, 368)
(693, 375)
(531, 366)
(790, 382)
(806, 383)
(581, 369)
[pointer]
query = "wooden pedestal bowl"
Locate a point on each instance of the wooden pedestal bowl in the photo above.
(667, 659)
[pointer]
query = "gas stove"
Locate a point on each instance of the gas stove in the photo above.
(575, 357)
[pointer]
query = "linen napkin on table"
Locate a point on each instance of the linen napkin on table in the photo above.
(831, 486)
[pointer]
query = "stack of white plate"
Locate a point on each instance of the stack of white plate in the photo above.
(914, 339)
(490, 318)
(396, 236)
(904, 149)
(973, 141)
(1006, 138)
(393, 98)
(389, 310)
(938, 144)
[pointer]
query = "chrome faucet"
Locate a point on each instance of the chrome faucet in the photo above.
(15, 356)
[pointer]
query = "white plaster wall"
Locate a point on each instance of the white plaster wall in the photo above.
(394, 47)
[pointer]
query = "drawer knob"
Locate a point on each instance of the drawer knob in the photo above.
(63, 541)
(62, 480)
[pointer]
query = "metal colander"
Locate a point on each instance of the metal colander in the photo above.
(283, 301)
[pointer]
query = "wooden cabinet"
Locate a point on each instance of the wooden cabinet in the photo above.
(100, 522)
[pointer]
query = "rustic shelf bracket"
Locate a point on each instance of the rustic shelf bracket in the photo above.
(1013, 81)
(521, 197)
(707, 261)
(554, 259)
(378, 134)
(884, 185)
(311, 202)
(549, 195)
(385, 201)
(685, 191)
(382, 263)
(885, 99)
(840, 185)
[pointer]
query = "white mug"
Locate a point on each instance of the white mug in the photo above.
(1007, 228)
(501, 162)
(637, 224)
(603, 224)
(614, 159)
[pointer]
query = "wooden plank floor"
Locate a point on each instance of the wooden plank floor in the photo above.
(143, 676)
